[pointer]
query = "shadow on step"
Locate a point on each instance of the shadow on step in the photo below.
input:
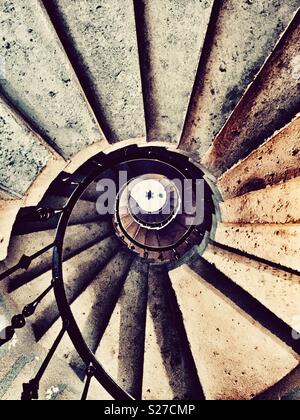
(172, 338)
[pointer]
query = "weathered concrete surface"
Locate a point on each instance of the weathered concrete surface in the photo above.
(84, 211)
(245, 33)
(133, 304)
(278, 159)
(78, 238)
(39, 79)
(22, 155)
(275, 204)
(286, 390)
(101, 38)
(96, 391)
(156, 384)
(106, 288)
(276, 243)
(277, 290)
(86, 154)
(235, 357)
(269, 103)
(168, 370)
(92, 311)
(8, 214)
(59, 382)
(27, 167)
(22, 357)
(121, 348)
(171, 37)
(79, 272)
(66, 352)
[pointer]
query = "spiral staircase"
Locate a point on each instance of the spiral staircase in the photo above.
(127, 305)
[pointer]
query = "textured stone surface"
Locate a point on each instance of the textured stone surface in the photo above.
(278, 159)
(22, 156)
(244, 36)
(100, 321)
(102, 316)
(79, 272)
(8, 214)
(133, 304)
(287, 389)
(235, 357)
(22, 357)
(171, 39)
(53, 385)
(103, 44)
(121, 348)
(77, 239)
(106, 352)
(39, 80)
(276, 204)
(270, 103)
(276, 243)
(275, 289)
(156, 384)
(168, 369)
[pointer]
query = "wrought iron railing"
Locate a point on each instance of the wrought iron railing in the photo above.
(88, 173)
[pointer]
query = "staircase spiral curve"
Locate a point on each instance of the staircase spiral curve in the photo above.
(149, 200)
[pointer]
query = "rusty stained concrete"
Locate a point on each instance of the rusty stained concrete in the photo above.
(269, 104)
(278, 243)
(168, 371)
(230, 366)
(275, 204)
(242, 36)
(276, 289)
(278, 159)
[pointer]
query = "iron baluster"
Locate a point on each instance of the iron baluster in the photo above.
(31, 388)
(41, 214)
(19, 321)
(25, 262)
(89, 375)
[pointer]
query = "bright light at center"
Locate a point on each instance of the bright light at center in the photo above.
(150, 195)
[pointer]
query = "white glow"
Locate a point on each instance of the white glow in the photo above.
(150, 195)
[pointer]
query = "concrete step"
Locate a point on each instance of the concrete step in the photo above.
(230, 63)
(66, 351)
(23, 154)
(84, 212)
(39, 80)
(277, 290)
(58, 384)
(236, 358)
(8, 213)
(156, 383)
(133, 305)
(270, 102)
(97, 302)
(21, 358)
(278, 159)
(78, 239)
(271, 242)
(285, 390)
(100, 38)
(79, 272)
(106, 290)
(171, 37)
(121, 349)
(275, 204)
(169, 372)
